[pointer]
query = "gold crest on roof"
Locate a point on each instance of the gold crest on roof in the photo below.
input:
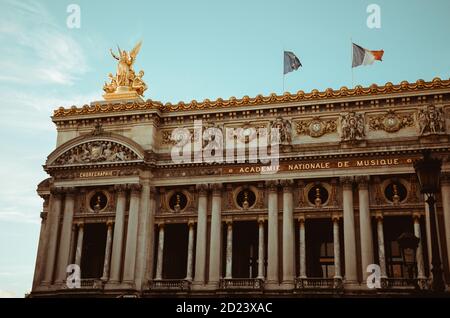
(126, 84)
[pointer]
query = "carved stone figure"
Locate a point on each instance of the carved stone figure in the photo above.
(431, 120)
(352, 126)
(284, 131)
(96, 151)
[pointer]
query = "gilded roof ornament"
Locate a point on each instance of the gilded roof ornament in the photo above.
(126, 84)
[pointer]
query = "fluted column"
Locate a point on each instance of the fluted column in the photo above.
(229, 252)
(79, 250)
(131, 244)
(302, 254)
(116, 258)
(160, 259)
(66, 231)
(419, 251)
(336, 248)
(272, 259)
(190, 256)
(349, 231)
(216, 235)
(106, 261)
(445, 195)
(381, 254)
(288, 233)
(53, 227)
(202, 221)
(365, 225)
(261, 249)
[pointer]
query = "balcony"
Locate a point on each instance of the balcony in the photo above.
(91, 283)
(242, 284)
(319, 284)
(170, 285)
(404, 283)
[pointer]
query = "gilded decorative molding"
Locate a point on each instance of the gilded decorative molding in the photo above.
(391, 121)
(343, 92)
(316, 127)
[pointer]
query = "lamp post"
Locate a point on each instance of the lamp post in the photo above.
(408, 243)
(428, 171)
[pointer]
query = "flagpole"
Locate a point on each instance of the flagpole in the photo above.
(283, 71)
(351, 57)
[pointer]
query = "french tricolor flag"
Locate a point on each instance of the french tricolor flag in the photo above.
(362, 56)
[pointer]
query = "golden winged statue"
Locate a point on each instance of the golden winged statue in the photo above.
(125, 84)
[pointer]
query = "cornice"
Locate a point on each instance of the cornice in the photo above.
(233, 102)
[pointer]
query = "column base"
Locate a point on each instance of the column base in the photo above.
(196, 285)
(212, 285)
(287, 284)
(271, 285)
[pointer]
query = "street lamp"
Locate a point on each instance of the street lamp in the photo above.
(408, 243)
(428, 171)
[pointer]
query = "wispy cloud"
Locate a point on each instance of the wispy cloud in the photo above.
(37, 49)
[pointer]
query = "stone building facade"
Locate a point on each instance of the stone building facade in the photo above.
(138, 224)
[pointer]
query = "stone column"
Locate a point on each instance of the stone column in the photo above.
(72, 243)
(131, 244)
(445, 195)
(261, 249)
(66, 231)
(150, 237)
(190, 257)
(202, 222)
(215, 250)
(106, 261)
(336, 247)
(116, 258)
(365, 225)
(272, 248)
(302, 258)
(349, 231)
(381, 255)
(229, 264)
(160, 259)
(79, 250)
(53, 227)
(37, 277)
(419, 251)
(288, 234)
(145, 232)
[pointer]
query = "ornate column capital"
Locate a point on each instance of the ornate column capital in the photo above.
(261, 220)
(56, 192)
(109, 223)
(202, 189)
(335, 217)
(363, 182)
(347, 182)
(301, 219)
(216, 189)
(80, 225)
(379, 216)
(287, 185)
(120, 188)
(191, 223)
(272, 185)
(445, 178)
(135, 188)
(229, 221)
(416, 216)
(160, 225)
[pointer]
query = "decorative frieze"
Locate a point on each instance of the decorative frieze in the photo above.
(391, 121)
(96, 152)
(316, 127)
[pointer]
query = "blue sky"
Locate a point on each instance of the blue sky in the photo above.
(193, 49)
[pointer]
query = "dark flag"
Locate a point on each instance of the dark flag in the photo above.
(291, 62)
